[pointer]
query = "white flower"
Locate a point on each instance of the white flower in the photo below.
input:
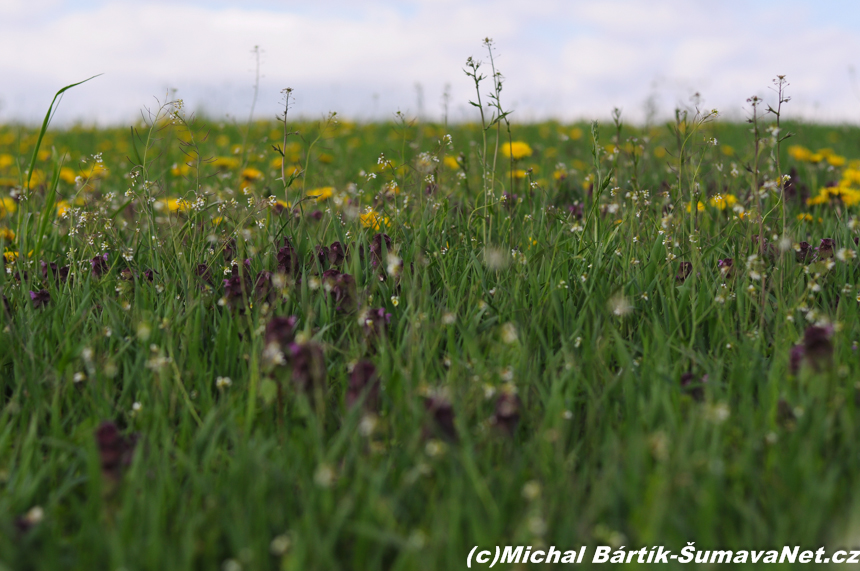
(223, 382)
(509, 333)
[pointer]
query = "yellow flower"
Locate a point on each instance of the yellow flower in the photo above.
(659, 152)
(517, 150)
(225, 162)
(7, 235)
(576, 133)
(836, 160)
(62, 207)
(251, 173)
(180, 169)
(850, 176)
(10, 256)
(805, 217)
(8, 206)
(217, 220)
(799, 153)
(6, 161)
(67, 175)
(728, 150)
(321, 194)
(174, 205)
(559, 174)
(451, 162)
(372, 219)
(326, 158)
(700, 206)
(723, 201)
(519, 174)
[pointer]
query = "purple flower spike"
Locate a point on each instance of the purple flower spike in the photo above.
(40, 298)
(363, 379)
(100, 265)
(115, 450)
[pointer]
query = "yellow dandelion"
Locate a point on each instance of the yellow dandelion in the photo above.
(251, 173)
(800, 153)
(8, 206)
(723, 201)
(321, 194)
(67, 175)
(518, 150)
(700, 206)
(10, 256)
(451, 162)
(372, 219)
(7, 234)
(225, 163)
(63, 207)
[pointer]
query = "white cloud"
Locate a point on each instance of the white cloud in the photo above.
(568, 59)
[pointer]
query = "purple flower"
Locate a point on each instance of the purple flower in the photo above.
(115, 450)
(280, 331)
(376, 248)
(230, 249)
(374, 322)
(825, 249)
(817, 346)
(441, 418)
(684, 271)
(336, 254)
(308, 363)
(100, 265)
(693, 388)
(576, 210)
(40, 298)
(816, 349)
(363, 379)
(288, 259)
(321, 252)
(236, 288)
(727, 267)
(341, 287)
(263, 288)
(204, 273)
(804, 252)
(507, 415)
(149, 275)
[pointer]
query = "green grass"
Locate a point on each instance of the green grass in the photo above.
(609, 447)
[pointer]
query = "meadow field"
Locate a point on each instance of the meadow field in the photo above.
(333, 345)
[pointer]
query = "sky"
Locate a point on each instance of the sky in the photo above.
(563, 59)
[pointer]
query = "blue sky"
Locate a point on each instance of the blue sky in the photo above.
(561, 58)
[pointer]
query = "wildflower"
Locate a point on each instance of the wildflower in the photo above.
(509, 333)
(507, 414)
(342, 289)
(844, 254)
(802, 252)
(816, 349)
(620, 306)
(726, 266)
(372, 219)
(288, 259)
(263, 288)
(324, 476)
(99, 265)
(516, 150)
(308, 363)
(280, 331)
(363, 380)
(825, 249)
(321, 194)
(684, 271)
(376, 248)
(32, 518)
(336, 254)
(40, 298)
(692, 387)
(222, 383)
(115, 451)
(449, 318)
(441, 417)
(374, 322)
(8, 206)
